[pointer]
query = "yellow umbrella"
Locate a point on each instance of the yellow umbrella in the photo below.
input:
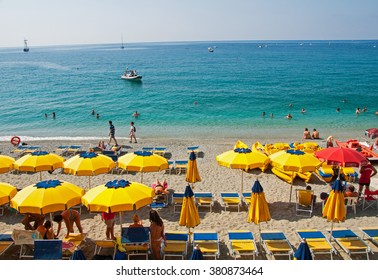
(6, 163)
(7, 192)
(142, 161)
(88, 164)
(189, 216)
(47, 197)
(39, 161)
(294, 161)
(243, 158)
(117, 196)
(258, 210)
(192, 175)
(334, 208)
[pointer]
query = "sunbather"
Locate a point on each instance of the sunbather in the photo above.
(46, 231)
(136, 222)
(36, 218)
(160, 188)
(157, 233)
(69, 217)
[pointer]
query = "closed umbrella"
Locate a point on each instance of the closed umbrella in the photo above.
(117, 196)
(258, 210)
(6, 164)
(294, 161)
(189, 216)
(196, 254)
(47, 197)
(7, 192)
(241, 157)
(39, 161)
(192, 175)
(142, 161)
(303, 252)
(334, 208)
(78, 255)
(88, 164)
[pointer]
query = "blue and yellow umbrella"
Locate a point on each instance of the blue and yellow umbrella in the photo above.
(192, 175)
(189, 216)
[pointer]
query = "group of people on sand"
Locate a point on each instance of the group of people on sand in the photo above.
(307, 135)
(132, 133)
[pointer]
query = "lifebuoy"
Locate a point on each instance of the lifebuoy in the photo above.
(15, 140)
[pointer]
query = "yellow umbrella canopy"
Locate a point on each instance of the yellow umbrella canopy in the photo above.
(39, 161)
(117, 196)
(88, 164)
(6, 163)
(47, 197)
(142, 161)
(192, 175)
(189, 216)
(7, 192)
(334, 209)
(241, 157)
(294, 161)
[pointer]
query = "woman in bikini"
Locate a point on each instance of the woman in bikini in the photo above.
(157, 233)
(69, 217)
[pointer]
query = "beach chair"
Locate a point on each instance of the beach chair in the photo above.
(105, 244)
(194, 149)
(6, 242)
(350, 242)
(70, 243)
(48, 249)
(181, 166)
(318, 243)
(242, 243)
(160, 151)
(304, 202)
(177, 199)
(326, 172)
(25, 239)
(246, 197)
(275, 244)
(22, 150)
(171, 166)
(371, 234)
(204, 199)
(369, 200)
(148, 149)
(176, 244)
(231, 199)
(349, 173)
(351, 202)
(208, 242)
(136, 241)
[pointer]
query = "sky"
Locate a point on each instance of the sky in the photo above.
(70, 22)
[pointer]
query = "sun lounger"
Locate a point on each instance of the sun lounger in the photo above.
(194, 149)
(181, 166)
(148, 149)
(176, 244)
(48, 249)
(22, 150)
(160, 151)
(6, 242)
(204, 199)
(231, 199)
(71, 242)
(136, 241)
(275, 244)
(171, 167)
(105, 244)
(326, 172)
(371, 234)
(242, 243)
(177, 199)
(68, 150)
(350, 242)
(350, 174)
(25, 239)
(208, 242)
(318, 243)
(246, 197)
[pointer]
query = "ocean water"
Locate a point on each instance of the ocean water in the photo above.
(187, 91)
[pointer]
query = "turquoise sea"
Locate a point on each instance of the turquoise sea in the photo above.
(187, 91)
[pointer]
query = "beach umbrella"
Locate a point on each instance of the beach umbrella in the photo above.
(7, 192)
(294, 161)
(258, 210)
(88, 164)
(39, 161)
(47, 197)
(6, 164)
(303, 252)
(372, 133)
(142, 161)
(189, 216)
(241, 157)
(196, 254)
(118, 196)
(192, 175)
(334, 208)
(341, 157)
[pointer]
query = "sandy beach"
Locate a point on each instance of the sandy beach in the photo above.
(214, 179)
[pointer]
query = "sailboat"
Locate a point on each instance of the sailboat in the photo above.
(122, 46)
(26, 48)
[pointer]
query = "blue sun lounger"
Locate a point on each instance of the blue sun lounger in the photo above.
(45, 249)
(275, 244)
(177, 244)
(371, 234)
(317, 242)
(242, 243)
(208, 243)
(136, 241)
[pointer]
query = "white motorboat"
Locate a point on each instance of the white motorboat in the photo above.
(131, 75)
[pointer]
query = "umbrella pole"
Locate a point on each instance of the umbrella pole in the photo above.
(260, 237)
(241, 180)
(120, 220)
(291, 185)
(330, 238)
(40, 176)
(141, 177)
(89, 182)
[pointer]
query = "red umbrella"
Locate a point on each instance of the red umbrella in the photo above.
(341, 157)
(372, 133)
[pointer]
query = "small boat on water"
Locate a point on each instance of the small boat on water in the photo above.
(26, 48)
(361, 147)
(131, 75)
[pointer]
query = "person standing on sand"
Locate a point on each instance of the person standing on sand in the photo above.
(132, 133)
(112, 133)
(157, 233)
